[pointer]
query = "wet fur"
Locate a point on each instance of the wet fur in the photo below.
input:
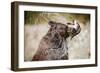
(53, 45)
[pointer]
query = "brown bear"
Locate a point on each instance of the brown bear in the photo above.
(53, 45)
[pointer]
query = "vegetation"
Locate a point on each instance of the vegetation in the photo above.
(34, 17)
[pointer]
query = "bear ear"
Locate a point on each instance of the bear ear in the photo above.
(52, 23)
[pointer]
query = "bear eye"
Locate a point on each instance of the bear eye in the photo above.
(69, 23)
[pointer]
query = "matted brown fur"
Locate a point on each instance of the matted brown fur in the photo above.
(53, 45)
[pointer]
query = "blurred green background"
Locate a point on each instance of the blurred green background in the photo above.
(34, 17)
